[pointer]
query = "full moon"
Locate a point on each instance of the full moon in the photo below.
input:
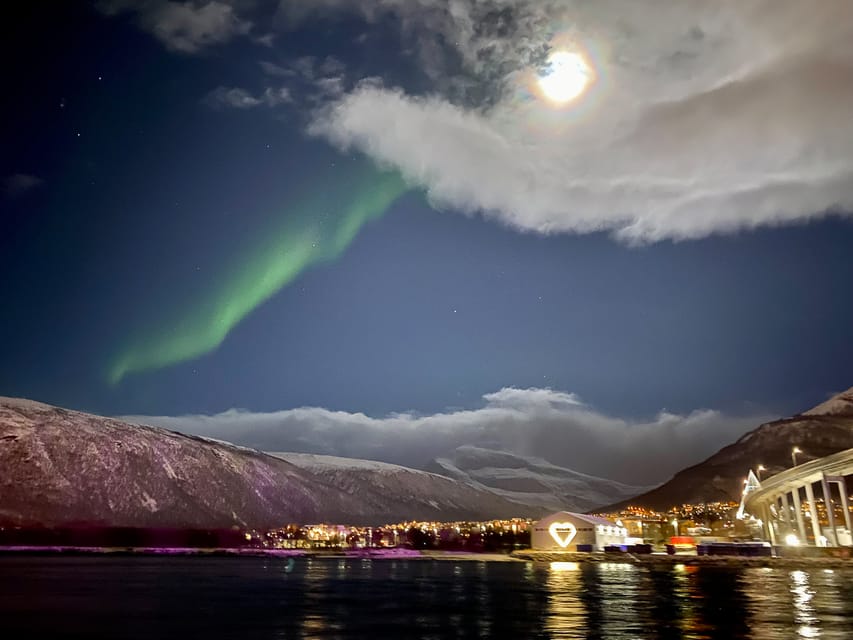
(567, 77)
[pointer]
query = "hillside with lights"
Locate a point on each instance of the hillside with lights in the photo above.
(769, 449)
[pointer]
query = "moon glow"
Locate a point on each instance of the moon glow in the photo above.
(566, 78)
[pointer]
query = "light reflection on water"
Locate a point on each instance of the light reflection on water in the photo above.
(804, 614)
(136, 597)
(566, 612)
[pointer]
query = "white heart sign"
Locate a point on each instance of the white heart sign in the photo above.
(563, 533)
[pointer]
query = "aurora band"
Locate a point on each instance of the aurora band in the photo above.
(312, 233)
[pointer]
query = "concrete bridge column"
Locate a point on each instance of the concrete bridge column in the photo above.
(813, 511)
(798, 513)
(787, 510)
(842, 489)
(768, 520)
(780, 516)
(830, 512)
(845, 503)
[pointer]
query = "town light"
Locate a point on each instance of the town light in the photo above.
(794, 453)
(758, 471)
(791, 540)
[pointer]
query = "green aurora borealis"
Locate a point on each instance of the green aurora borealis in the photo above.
(316, 230)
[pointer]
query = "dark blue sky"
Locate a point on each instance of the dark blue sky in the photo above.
(143, 194)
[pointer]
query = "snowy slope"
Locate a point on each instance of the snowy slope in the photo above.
(320, 463)
(841, 404)
(531, 480)
(64, 467)
(390, 488)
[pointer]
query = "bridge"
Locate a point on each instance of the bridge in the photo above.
(778, 502)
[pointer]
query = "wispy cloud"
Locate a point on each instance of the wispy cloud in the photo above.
(187, 27)
(545, 423)
(316, 79)
(236, 98)
(272, 69)
(705, 117)
(19, 183)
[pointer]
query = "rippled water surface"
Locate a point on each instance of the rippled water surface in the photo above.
(194, 597)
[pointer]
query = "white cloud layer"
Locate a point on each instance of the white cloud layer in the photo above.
(535, 422)
(706, 117)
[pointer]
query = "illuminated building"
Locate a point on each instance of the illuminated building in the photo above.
(566, 531)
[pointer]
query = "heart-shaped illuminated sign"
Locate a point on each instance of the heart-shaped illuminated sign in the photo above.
(563, 533)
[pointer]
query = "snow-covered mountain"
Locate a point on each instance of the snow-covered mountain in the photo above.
(64, 467)
(838, 405)
(532, 481)
(818, 432)
(392, 489)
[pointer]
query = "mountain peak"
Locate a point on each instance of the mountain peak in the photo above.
(530, 480)
(823, 430)
(838, 405)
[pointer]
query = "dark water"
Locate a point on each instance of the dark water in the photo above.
(192, 597)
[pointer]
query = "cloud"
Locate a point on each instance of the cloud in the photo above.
(20, 183)
(704, 118)
(187, 27)
(318, 79)
(272, 69)
(267, 40)
(236, 98)
(535, 422)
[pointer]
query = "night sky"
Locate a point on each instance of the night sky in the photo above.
(369, 207)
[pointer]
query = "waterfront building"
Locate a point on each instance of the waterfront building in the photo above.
(566, 531)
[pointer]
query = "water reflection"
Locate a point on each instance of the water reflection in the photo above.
(315, 575)
(671, 613)
(267, 598)
(592, 601)
(567, 614)
(618, 592)
(804, 613)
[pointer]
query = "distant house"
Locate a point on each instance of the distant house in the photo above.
(566, 531)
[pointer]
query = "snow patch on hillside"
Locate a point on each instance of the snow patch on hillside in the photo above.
(841, 404)
(23, 403)
(318, 462)
(532, 481)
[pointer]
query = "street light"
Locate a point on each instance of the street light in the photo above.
(758, 470)
(794, 453)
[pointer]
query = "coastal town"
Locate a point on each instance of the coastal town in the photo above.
(712, 520)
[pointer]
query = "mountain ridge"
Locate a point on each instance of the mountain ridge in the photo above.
(530, 480)
(820, 431)
(64, 467)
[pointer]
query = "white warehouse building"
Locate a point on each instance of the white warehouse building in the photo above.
(566, 531)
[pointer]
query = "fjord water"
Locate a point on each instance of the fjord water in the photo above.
(197, 597)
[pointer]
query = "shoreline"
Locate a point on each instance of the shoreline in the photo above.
(656, 560)
(361, 554)
(570, 557)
